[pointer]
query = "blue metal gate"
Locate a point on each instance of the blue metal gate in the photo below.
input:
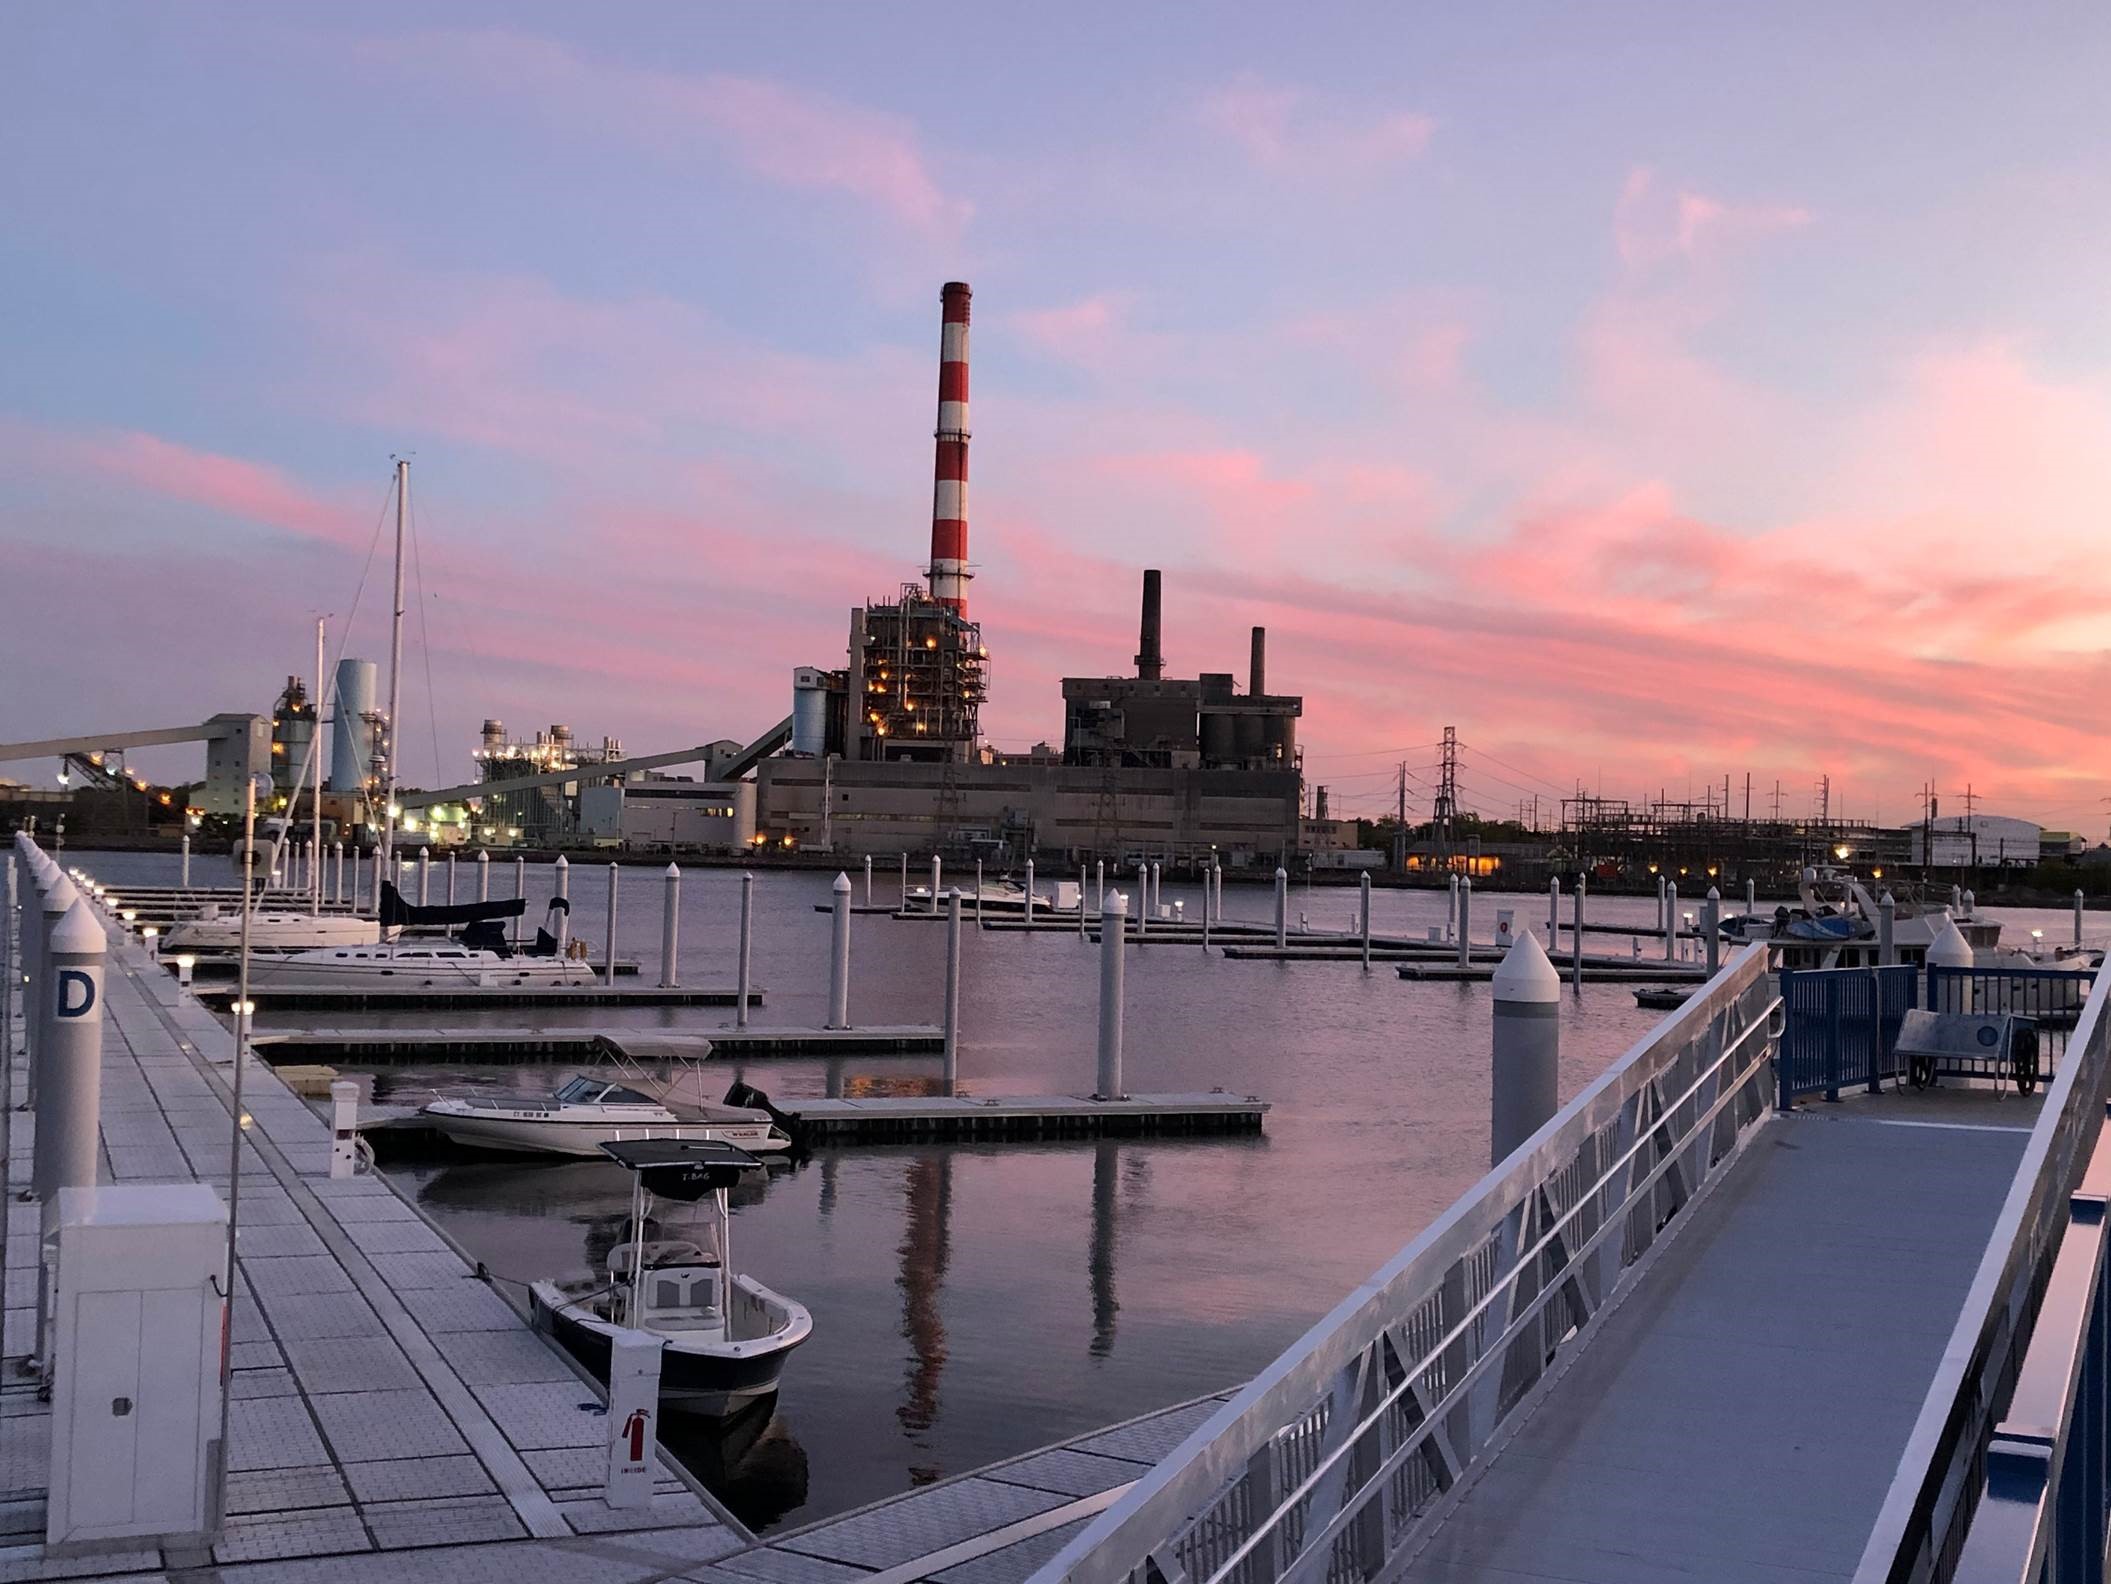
(1840, 1028)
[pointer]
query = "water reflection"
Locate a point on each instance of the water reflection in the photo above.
(1106, 1165)
(926, 1243)
(750, 1461)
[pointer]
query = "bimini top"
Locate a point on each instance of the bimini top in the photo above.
(681, 1168)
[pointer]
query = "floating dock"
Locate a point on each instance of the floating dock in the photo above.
(385, 998)
(373, 1046)
(968, 1119)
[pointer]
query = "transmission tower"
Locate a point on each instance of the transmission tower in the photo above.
(1447, 802)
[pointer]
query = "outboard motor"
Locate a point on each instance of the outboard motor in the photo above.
(749, 1098)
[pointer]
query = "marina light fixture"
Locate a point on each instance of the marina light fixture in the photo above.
(2037, 937)
(1876, 874)
(244, 1009)
(130, 915)
(1652, 868)
(1843, 852)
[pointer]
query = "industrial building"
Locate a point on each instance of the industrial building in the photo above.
(652, 813)
(540, 816)
(1977, 841)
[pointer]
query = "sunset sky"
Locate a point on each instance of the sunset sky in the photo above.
(1653, 393)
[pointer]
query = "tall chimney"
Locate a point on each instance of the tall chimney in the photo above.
(949, 504)
(1150, 663)
(1257, 672)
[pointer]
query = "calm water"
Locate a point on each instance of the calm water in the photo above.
(971, 1303)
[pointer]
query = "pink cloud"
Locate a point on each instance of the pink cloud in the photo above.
(773, 130)
(1653, 225)
(1278, 128)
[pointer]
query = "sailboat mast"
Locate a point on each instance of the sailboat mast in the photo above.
(395, 685)
(315, 753)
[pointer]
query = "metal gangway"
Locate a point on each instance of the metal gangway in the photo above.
(1689, 1329)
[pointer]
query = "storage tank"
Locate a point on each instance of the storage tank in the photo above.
(352, 741)
(1219, 738)
(809, 711)
(1279, 733)
(1252, 744)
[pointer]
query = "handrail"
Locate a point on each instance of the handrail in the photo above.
(1923, 1519)
(1424, 1362)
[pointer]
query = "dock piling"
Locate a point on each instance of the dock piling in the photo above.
(337, 872)
(563, 888)
(1553, 911)
(1208, 911)
(1751, 896)
(1671, 922)
(2078, 915)
(1216, 881)
(1111, 945)
(1157, 880)
(839, 952)
(978, 893)
(935, 871)
(1099, 885)
(1465, 920)
(1282, 907)
(1081, 898)
(952, 1011)
(1526, 1047)
(424, 876)
(747, 927)
(1576, 934)
(904, 903)
(868, 879)
(1451, 908)
(1029, 890)
(184, 848)
(483, 875)
(450, 879)
(1886, 920)
(1363, 911)
(670, 931)
(1711, 929)
(520, 889)
(609, 946)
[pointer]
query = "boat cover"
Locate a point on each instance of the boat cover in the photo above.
(396, 911)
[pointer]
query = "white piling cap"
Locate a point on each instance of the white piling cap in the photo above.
(1525, 975)
(1714, 895)
(424, 852)
(60, 895)
(1950, 949)
(563, 862)
(1116, 905)
(78, 932)
(674, 871)
(482, 856)
(1887, 900)
(1281, 873)
(842, 885)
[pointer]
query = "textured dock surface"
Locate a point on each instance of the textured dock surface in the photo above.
(550, 1044)
(438, 997)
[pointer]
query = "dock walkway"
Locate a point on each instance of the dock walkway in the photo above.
(1743, 1412)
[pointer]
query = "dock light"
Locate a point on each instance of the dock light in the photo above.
(152, 937)
(130, 915)
(185, 962)
(246, 1117)
(2037, 937)
(1876, 874)
(1843, 852)
(1652, 868)
(243, 1009)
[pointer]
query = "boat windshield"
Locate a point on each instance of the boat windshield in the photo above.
(591, 1091)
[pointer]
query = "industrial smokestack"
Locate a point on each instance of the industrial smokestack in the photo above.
(949, 504)
(1150, 663)
(1257, 672)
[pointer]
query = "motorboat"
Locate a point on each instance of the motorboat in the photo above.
(213, 931)
(591, 1110)
(998, 891)
(725, 1337)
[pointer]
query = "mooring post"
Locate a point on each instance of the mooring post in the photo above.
(2078, 915)
(609, 955)
(1099, 885)
(1671, 922)
(1282, 907)
(337, 872)
(69, 1095)
(670, 928)
(1029, 890)
(424, 876)
(1553, 912)
(344, 1128)
(839, 955)
(520, 889)
(563, 888)
(1363, 885)
(952, 1014)
(1112, 919)
(1576, 914)
(868, 879)
(1139, 909)
(978, 893)
(184, 847)
(1751, 896)
(1209, 910)
(903, 904)
(1081, 898)
(1216, 866)
(1451, 908)
(1956, 899)
(934, 884)
(1711, 929)
(483, 875)
(1886, 924)
(1525, 1079)
(1157, 883)
(450, 879)
(747, 925)
(1465, 920)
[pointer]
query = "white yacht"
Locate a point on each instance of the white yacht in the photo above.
(998, 892)
(725, 1337)
(590, 1111)
(211, 930)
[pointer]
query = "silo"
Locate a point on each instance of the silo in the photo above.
(352, 742)
(809, 711)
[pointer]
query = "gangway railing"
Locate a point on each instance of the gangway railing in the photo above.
(1920, 1530)
(1329, 1464)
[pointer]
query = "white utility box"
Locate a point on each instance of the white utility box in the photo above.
(136, 1339)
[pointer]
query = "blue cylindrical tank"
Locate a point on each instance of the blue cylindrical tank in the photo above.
(352, 740)
(809, 711)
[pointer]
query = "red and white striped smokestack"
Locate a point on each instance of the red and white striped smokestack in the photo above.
(949, 504)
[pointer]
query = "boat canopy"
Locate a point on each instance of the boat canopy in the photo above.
(685, 1169)
(396, 911)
